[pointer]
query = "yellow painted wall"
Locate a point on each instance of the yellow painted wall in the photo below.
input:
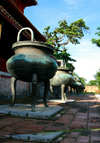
(90, 88)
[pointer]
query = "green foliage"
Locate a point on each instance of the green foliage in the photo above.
(70, 65)
(97, 78)
(63, 55)
(96, 41)
(92, 83)
(75, 74)
(64, 34)
(97, 91)
(83, 80)
(93, 93)
(74, 31)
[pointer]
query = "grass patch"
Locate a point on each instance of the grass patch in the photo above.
(89, 93)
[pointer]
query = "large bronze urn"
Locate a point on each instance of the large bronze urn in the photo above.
(77, 85)
(63, 79)
(32, 62)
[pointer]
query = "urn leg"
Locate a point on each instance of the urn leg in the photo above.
(65, 91)
(46, 88)
(62, 91)
(51, 89)
(34, 89)
(77, 90)
(74, 90)
(70, 91)
(13, 90)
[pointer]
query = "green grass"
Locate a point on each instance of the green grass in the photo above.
(89, 93)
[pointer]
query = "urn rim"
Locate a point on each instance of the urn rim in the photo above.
(33, 44)
(64, 68)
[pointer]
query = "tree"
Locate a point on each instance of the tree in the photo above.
(75, 74)
(83, 80)
(64, 34)
(96, 41)
(64, 55)
(97, 78)
(92, 83)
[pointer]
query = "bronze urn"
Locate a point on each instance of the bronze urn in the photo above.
(77, 85)
(63, 79)
(32, 62)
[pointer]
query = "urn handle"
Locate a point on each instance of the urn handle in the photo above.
(26, 28)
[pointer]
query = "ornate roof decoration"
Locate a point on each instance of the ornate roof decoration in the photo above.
(5, 14)
(21, 4)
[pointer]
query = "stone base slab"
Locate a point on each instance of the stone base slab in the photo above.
(62, 101)
(24, 110)
(58, 100)
(40, 137)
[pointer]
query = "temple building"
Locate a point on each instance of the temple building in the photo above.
(12, 19)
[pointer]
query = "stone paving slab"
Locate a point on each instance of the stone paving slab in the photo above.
(58, 100)
(80, 123)
(40, 137)
(76, 95)
(25, 110)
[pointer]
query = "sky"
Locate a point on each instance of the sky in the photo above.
(49, 12)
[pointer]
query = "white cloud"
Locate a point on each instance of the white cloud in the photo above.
(88, 59)
(93, 17)
(71, 4)
(71, 1)
(66, 16)
(86, 68)
(86, 48)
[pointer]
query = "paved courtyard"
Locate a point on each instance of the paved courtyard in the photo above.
(77, 122)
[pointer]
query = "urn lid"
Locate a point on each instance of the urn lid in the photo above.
(31, 42)
(64, 68)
